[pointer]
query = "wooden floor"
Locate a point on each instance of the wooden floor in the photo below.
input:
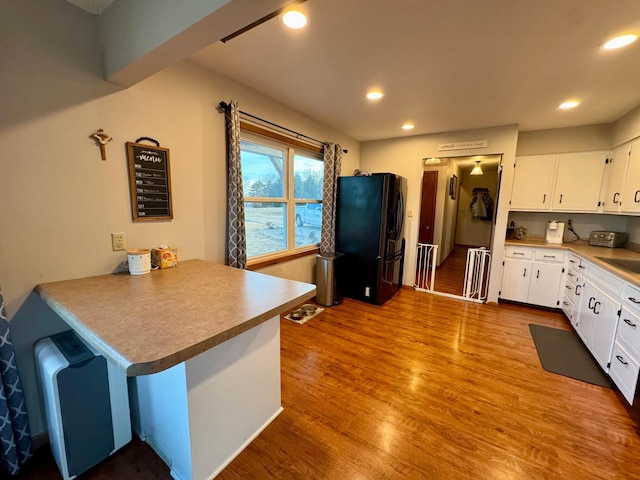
(423, 387)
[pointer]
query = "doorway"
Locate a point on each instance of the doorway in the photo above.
(465, 207)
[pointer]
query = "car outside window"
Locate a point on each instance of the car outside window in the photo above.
(282, 194)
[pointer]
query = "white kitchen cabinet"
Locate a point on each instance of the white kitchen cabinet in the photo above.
(515, 280)
(631, 188)
(598, 315)
(533, 182)
(578, 182)
(545, 282)
(572, 291)
(605, 320)
(614, 173)
(569, 182)
(624, 371)
(625, 359)
(532, 275)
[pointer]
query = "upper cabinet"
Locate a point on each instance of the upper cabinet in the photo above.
(615, 173)
(563, 183)
(631, 189)
(578, 182)
(533, 183)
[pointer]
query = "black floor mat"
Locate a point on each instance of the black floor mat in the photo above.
(562, 352)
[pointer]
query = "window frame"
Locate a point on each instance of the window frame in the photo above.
(259, 135)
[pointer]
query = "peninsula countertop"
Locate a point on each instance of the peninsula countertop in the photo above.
(148, 323)
(592, 254)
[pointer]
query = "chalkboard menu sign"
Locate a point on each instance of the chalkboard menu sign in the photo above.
(150, 182)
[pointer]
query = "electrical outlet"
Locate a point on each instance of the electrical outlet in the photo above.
(118, 242)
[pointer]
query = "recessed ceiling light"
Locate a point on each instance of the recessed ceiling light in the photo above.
(569, 104)
(408, 126)
(294, 19)
(621, 41)
(375, 95)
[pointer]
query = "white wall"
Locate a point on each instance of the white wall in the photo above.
(626, 128)
(535, 223)
(403, 156)
(565, 140)
(60, 201)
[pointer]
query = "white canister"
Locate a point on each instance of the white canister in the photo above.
(139, 261)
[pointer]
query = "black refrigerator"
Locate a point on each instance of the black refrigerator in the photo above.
(369, 224)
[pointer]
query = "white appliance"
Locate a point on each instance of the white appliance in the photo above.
(555, 232)
(86, 403)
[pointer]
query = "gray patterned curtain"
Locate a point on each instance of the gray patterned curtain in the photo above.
(332, 164)
(236, 235)
(15, 437)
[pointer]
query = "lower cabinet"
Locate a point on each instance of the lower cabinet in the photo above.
(597, 322)
(515, 280)
(532, 275)
(625, 360)
(603, 308)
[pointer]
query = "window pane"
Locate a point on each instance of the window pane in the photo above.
(307, 177)
(266, 227)
(262, 170)
(308, 224)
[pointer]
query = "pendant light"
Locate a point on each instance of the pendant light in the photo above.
(476, 169)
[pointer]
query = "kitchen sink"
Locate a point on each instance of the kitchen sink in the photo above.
(632, 266)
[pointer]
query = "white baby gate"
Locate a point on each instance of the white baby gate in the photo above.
(475, 276)
(426, 267)
(476, 273)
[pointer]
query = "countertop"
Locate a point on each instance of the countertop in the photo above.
(148, 323)
(590, 254)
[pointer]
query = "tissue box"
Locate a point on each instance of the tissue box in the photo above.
(164, 257)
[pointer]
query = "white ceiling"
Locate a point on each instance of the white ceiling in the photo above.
(443, 65)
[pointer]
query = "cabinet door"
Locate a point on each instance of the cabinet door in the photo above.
(578, 294)
(614, 174)
(586, 317)
(515, 280)
(631, 189)
(544, 286)
(578, 182)
(532, 183)
(605, 321)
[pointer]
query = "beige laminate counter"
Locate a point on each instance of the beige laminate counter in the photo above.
(148, 323)
(591, 254)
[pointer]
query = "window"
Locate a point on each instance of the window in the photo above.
(282, 197)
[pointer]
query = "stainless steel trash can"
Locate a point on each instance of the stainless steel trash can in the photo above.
(326, 266)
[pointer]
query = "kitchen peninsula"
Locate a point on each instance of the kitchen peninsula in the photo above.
(203, 343)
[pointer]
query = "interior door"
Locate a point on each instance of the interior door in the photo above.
(428, 206)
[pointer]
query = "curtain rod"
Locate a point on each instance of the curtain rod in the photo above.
(225, 106)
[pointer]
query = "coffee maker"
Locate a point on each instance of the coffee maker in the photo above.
(555, 232)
